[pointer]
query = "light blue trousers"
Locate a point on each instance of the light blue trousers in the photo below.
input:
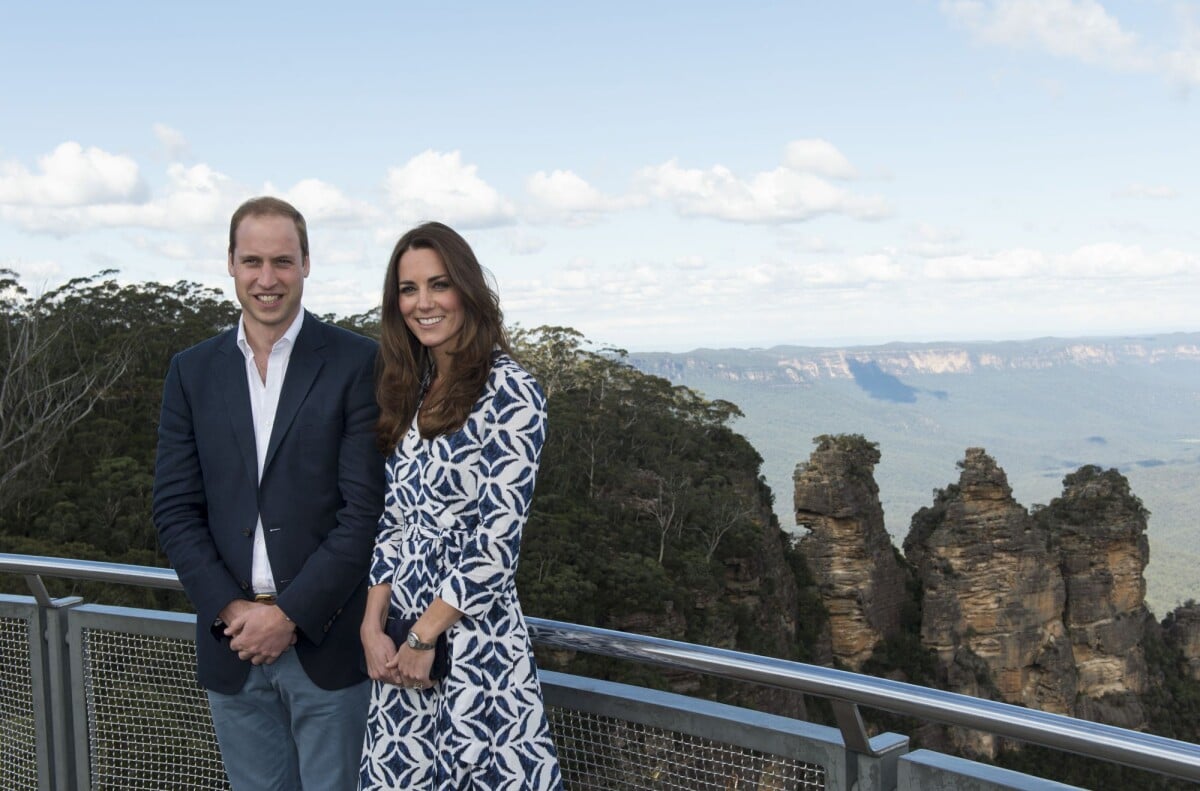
(282, 732)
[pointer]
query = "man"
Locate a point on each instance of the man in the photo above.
(267, 492)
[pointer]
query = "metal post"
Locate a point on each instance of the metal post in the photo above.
(871, 764)
(57, 670)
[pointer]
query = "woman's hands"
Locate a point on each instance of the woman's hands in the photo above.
(405, 667)
(411, 667)
(401, 665)
(379, 650)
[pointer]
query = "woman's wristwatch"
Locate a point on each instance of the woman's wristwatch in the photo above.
(417, 644)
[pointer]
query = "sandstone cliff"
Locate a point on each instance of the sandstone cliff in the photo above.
(1183, 632)
(1098, 530)
(994, 596)
(848, 550)
(1044, 610)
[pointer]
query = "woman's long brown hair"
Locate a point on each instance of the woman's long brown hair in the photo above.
(405, 363)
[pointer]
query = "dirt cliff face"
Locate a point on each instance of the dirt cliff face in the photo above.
(994, 596)
(847, 547)
(1098, 529)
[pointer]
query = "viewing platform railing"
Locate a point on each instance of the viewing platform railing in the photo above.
(99, 697)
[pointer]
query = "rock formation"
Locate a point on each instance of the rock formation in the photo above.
(848, 550)
(1098, 530)
(1183, 632)
(1045, 610)
(994, 596)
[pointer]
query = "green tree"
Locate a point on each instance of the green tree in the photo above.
(111, 343)
(54, 376)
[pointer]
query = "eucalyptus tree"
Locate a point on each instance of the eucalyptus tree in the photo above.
(53, 378)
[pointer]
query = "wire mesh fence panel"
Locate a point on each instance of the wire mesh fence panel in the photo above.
(149, 725)
(600, 752)
(18, 734)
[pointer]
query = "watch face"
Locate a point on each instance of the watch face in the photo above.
(413, 640)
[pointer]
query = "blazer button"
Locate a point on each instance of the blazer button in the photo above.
(246, 531)
(326, 626)
(245, 585)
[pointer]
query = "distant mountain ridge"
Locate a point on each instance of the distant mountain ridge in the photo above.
(801, 364)
(1041, 407)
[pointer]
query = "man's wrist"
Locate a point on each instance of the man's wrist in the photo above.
(232, 610)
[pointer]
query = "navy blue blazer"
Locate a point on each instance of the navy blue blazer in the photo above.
(320, 497)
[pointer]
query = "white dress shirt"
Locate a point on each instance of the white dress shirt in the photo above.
(264, 401)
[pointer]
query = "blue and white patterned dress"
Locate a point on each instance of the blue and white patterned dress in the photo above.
(451, 527)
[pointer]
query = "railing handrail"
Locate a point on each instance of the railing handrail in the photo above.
(1092, 739)
(94, 570)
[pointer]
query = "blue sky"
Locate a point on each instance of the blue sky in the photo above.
(659, 176)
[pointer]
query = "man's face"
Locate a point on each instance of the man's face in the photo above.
(268, 272)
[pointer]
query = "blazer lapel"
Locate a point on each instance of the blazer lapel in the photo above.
(237, 403)
(303, 366)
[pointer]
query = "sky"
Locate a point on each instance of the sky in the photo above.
(660, 176)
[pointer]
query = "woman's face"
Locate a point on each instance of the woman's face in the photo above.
(429, 302)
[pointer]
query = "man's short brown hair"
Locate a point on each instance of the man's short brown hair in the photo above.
(266, 206)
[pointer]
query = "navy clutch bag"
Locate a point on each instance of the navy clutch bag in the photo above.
(397, 630)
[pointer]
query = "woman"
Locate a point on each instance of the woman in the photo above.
(464, 425)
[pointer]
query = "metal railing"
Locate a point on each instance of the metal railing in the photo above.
(611, 704)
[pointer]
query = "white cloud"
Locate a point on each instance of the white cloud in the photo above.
(1078, 29)
(34, 275)
(875, 268)
(195, 196)
(521, 242)
(579, 285)
(1015, 264)
(173, 142)
(887, 293)
(691, 262)
(1108, 260)
(174, 249)
(791, 239)
(1085, 31)
(935, 235)
(853, 271)
(71, 176)
(1183, 65)
(782, 195)
(436, 186)
(347, 253)
(1152, 191)
(340, 296)
(1100, 261)
(320, 201)
(819, 157)
(935, 242)
(565, 196)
